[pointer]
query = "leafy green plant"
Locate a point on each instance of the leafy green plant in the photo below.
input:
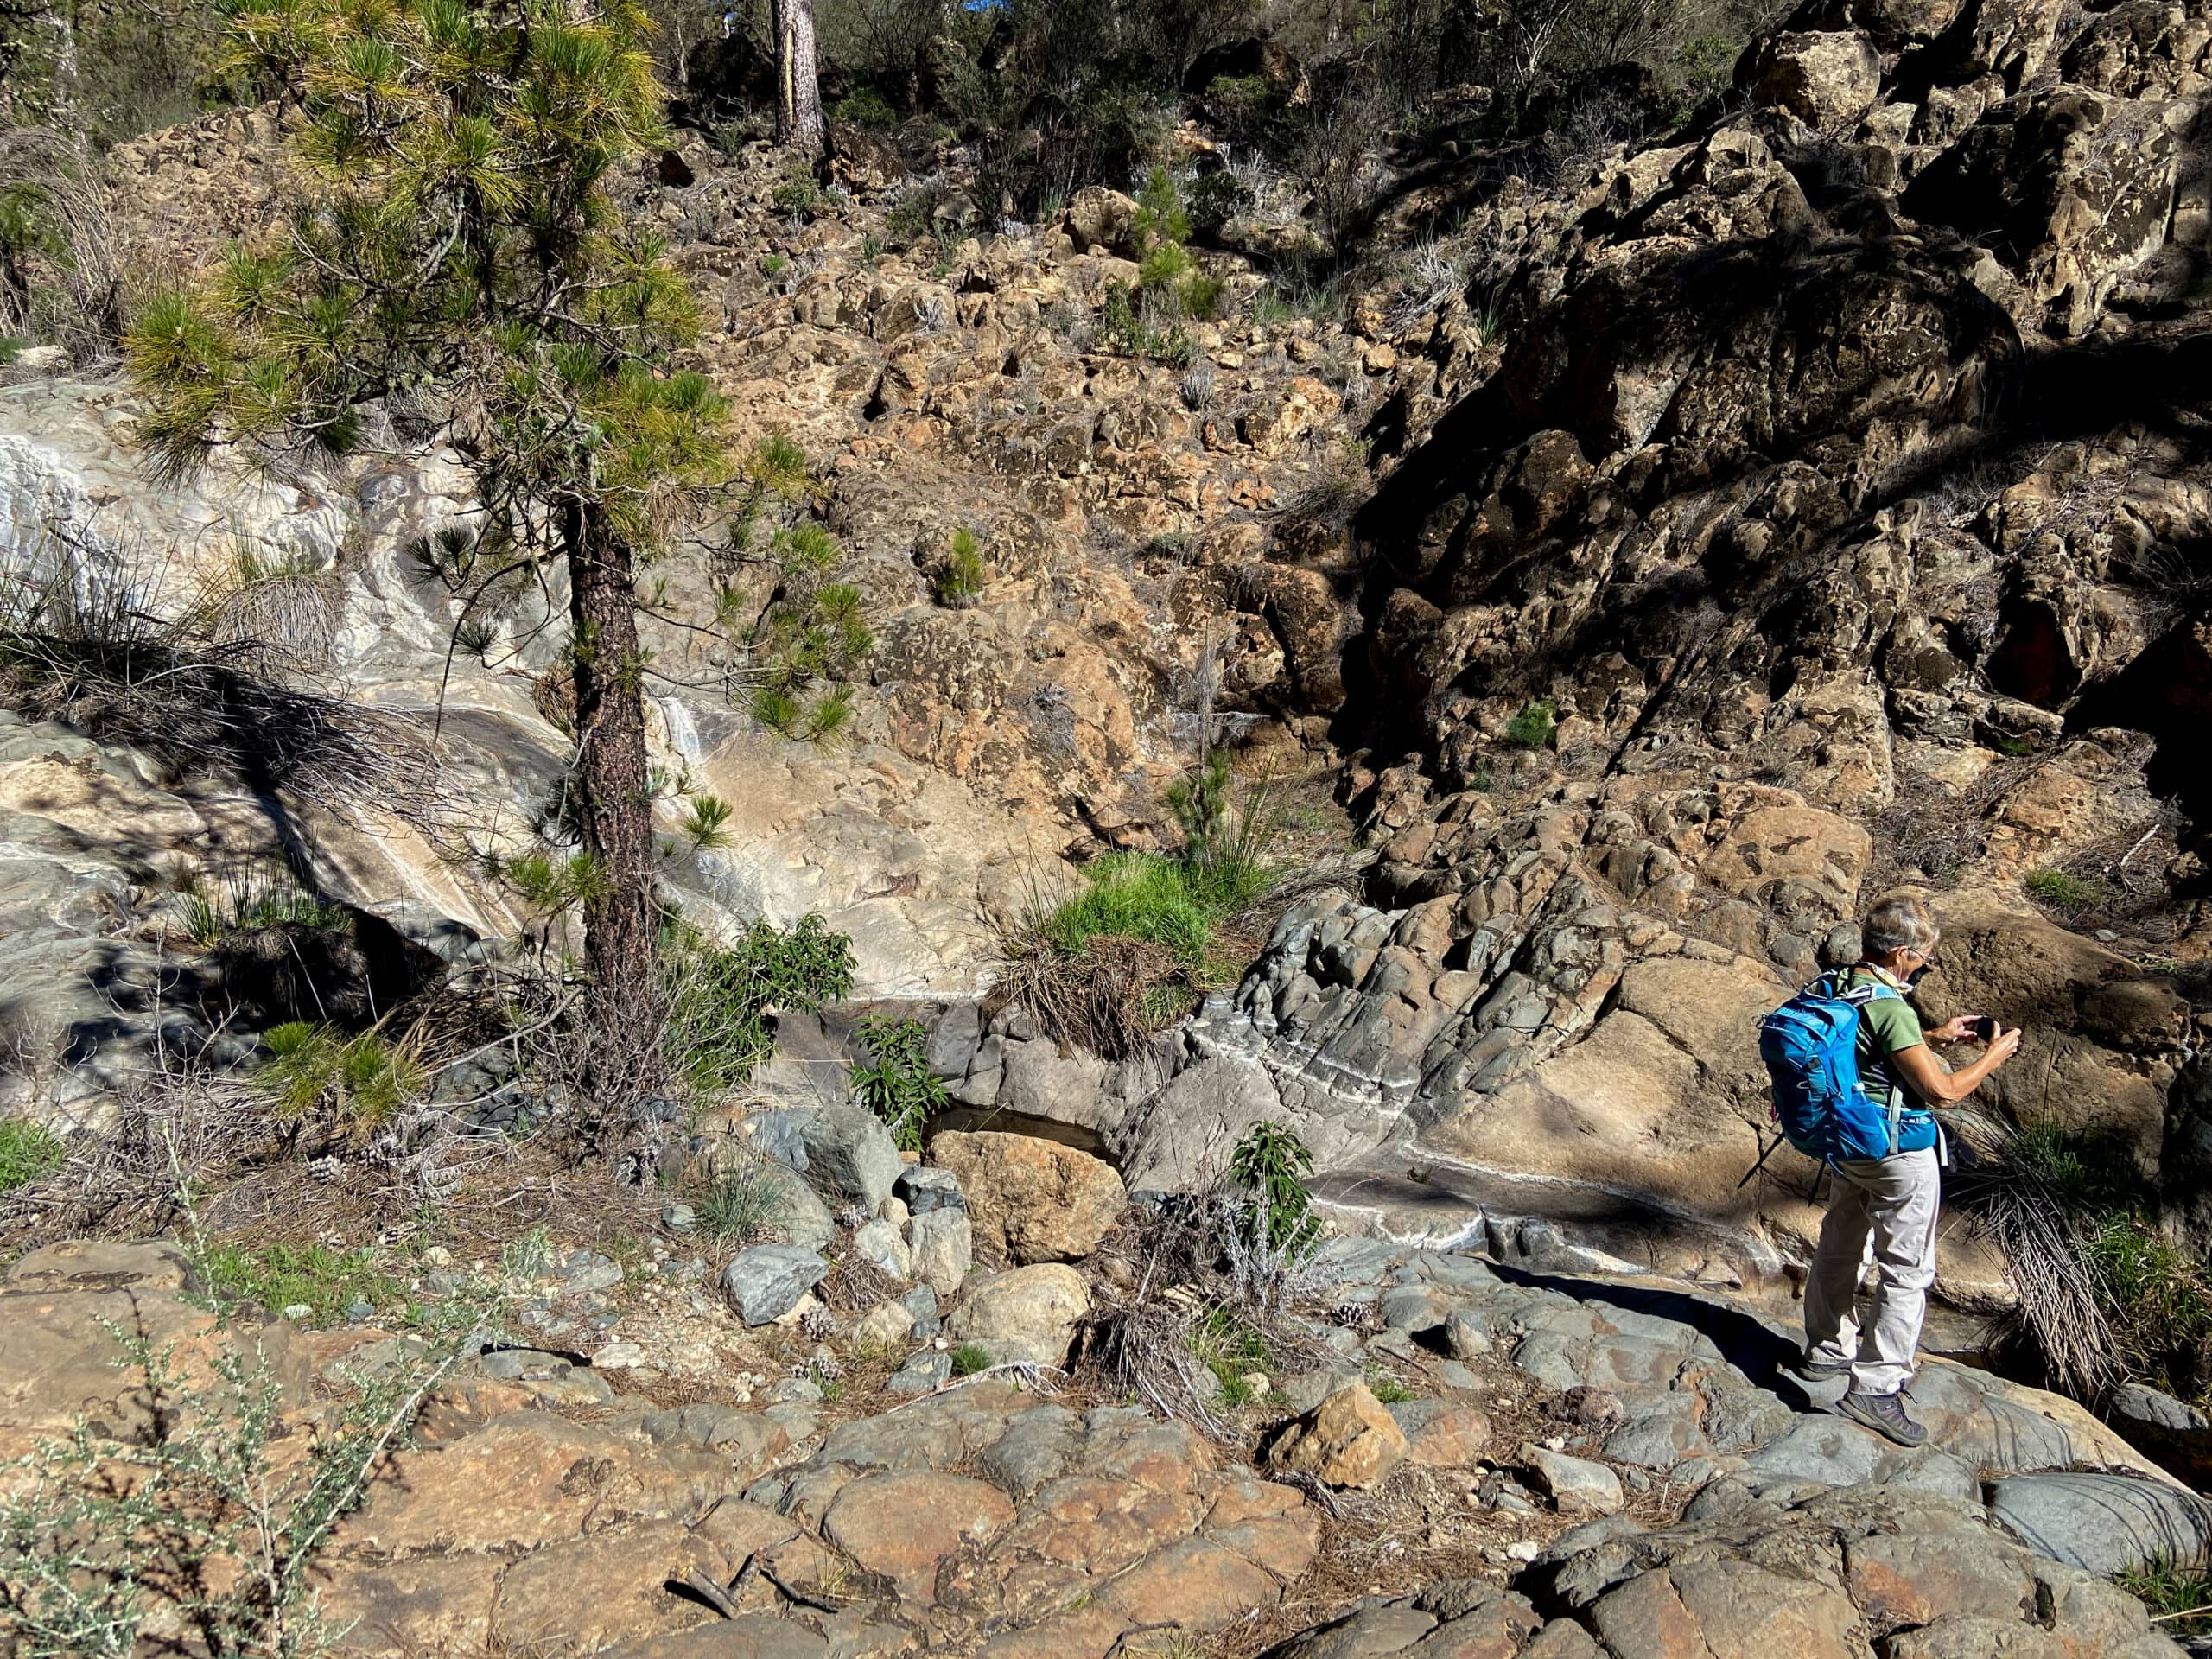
(959, 582)
(29, 1151)
(970, 1358)
(1535, 725)
(1202, 295)
(1164, 265)
(871, 247)
(1387, 1390)
(717, 999)
(1160, 219)
(1269, 1166)
(864, 107)
(1226, 843)
(893, 1080)
(773, 264)
(362, 1081)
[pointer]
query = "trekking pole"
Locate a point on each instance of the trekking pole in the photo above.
(1761, 1164)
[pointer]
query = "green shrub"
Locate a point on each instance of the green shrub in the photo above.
(717, 999)
(893, 1080)
(363, 1081)
(970, 1358)
(864, 107)
(959, 582)
(1164, 265)
(1269, 1166)
(1387, 1390)
(773, 264)
(2063, 892)
(1535, 725)
(1161, 219)
(29, 1151)
(798, 193)
(323, 1280)
(1202, 295)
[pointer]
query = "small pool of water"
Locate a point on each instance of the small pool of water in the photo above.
(967, 1120)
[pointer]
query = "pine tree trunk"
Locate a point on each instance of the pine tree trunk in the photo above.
(799, 90)
(615, 810)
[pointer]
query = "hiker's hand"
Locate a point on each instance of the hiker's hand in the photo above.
(1959, 1030)
(2004, 1045)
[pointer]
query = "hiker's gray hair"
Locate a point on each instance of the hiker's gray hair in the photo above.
(1898, 923)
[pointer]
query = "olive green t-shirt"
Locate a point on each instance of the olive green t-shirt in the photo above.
(1886, 1024)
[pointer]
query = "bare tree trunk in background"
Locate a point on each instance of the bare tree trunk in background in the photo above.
(616, 808)
(799, 90)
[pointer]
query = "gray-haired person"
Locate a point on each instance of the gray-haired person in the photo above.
(1891, 1200)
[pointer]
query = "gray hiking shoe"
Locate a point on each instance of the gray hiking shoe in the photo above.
(1885, 1413)
(1820, 1371)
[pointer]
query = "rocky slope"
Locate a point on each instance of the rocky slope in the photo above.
(1807, 503)
(1568, 1466)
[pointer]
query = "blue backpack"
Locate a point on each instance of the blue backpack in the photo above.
(1810, 1047)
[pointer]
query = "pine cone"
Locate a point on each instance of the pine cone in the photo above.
(819, 1322)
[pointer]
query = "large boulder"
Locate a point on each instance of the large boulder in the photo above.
(2105, 1523)
(1026, 1314)
(1029, 1199)
(1828, 79)
(2075, 187)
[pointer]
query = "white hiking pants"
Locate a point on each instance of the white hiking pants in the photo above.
(1894, 1201)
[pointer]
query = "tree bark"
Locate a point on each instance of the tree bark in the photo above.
(614, 811)
(799, 87)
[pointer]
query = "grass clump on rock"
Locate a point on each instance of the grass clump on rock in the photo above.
(1147, 933)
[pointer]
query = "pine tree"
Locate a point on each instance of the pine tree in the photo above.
(457, 264)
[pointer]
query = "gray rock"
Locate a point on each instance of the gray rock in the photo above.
(1576, 1484)
(2105, 1523)
(765, 1282)
(776, 1135)
(679, 1217)
(924, 1187)
(849, 1155)
(1413, 1307)
(799, 1216)
(879, 1244)
(921, 1303)
(925, 1372)
(944, 1248)
(1467, 1335)
(792, 1390)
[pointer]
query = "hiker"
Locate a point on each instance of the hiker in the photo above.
(1864, 1104)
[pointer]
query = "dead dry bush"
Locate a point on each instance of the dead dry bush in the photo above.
(82, 641)
(1183, 1283)
(1103, 999)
